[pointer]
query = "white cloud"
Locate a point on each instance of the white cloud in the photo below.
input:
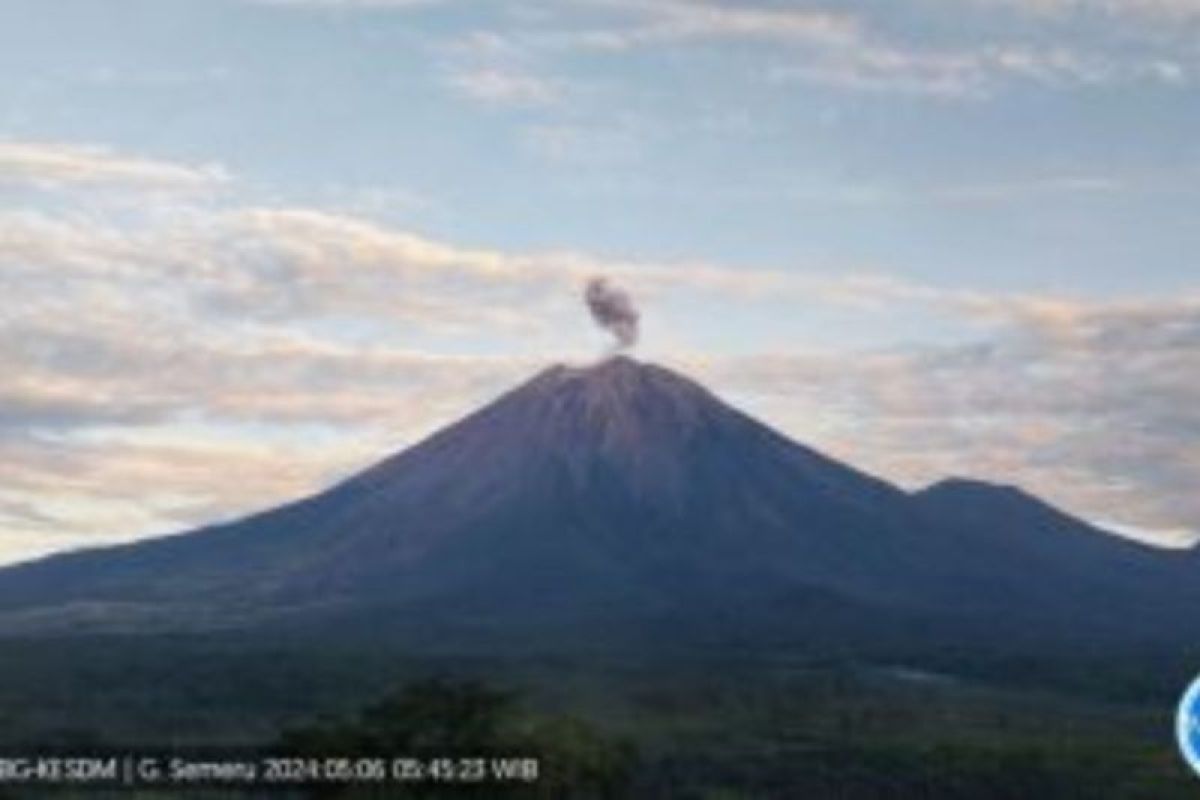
(665, 21)
(349, 4)
(167, 345)
(849, 47)
(1093, 405)
(504, 87)
(1157, 10)
(64, 494)
(976, 71)
(55, 165)
(965, 194)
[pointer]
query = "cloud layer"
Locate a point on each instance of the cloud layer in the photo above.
(1094, 406)
(57, 165)
(857, 46)
(144, 353)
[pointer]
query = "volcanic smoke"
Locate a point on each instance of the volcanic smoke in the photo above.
(612, 308)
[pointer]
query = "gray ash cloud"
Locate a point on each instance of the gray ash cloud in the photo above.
(612, 308)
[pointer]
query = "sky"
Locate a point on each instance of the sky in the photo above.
(248, 247)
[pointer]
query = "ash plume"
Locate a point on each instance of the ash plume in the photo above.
(612, 308)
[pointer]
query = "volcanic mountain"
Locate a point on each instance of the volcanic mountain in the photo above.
(623, 502)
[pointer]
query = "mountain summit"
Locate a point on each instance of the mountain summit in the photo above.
(619, 426)
(619, 501)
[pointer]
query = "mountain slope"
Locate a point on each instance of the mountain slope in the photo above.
(1068, 567)
(621, 499)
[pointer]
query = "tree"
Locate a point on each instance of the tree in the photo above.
(439, 719)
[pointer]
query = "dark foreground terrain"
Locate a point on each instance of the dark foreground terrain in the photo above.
(708, 726)
(673, 599)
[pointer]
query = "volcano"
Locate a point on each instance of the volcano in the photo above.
(624, 503)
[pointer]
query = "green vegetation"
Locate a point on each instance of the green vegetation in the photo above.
(704, 728)
(436, 718)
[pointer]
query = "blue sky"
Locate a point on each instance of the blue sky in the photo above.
(931, 237)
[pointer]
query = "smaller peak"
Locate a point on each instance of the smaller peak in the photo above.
(974, 487)
(955, 482)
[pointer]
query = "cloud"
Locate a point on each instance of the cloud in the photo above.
(62, 494)
(140, 440)
(1169, 11)
(274, 265)
(349, 4)
(1001, 191)
(56, 165)
(856, 48)
(974, 72)
(498, 71)
(1091, 405)
(504, 87)
(666, 21)
(147, 351)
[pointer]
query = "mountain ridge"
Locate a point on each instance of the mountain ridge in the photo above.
(617, 497)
